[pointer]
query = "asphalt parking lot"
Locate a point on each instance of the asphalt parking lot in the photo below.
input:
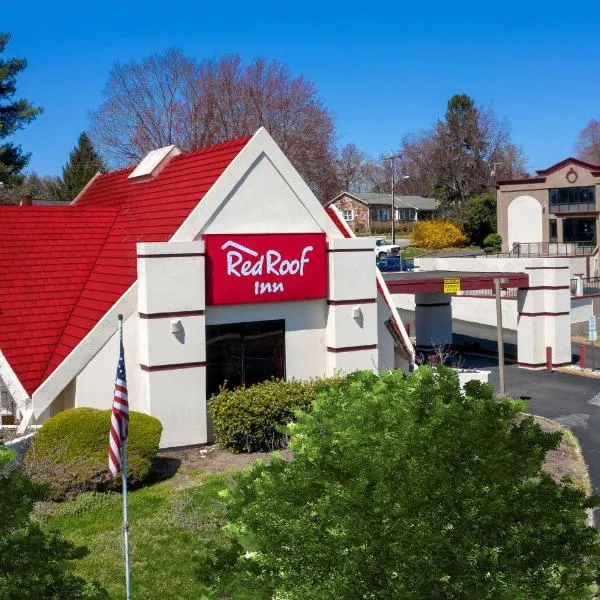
(571, 400)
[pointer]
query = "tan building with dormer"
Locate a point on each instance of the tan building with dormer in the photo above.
(555, 212)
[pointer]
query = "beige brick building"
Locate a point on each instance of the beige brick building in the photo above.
(369, 212)
(557, 210)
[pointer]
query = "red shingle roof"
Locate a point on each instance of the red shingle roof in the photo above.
(62, 268)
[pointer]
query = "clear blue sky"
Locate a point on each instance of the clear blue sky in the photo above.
(384, 69)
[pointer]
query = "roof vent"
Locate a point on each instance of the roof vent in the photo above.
(153, 163)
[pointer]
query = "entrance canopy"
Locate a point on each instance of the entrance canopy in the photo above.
(446, 281)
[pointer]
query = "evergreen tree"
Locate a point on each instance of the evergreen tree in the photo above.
(14, 115)
(84, 162)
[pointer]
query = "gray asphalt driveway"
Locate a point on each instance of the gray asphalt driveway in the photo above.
(571, 400)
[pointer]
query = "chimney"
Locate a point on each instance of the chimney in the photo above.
(153, 163)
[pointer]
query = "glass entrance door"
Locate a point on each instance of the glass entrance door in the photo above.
(244, 353)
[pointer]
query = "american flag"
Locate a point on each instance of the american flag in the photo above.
(119, 419)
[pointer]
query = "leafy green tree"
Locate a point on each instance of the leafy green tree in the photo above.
(14, 115)
(476, 218)
(34, 564)
(84, 162)
(409, 488)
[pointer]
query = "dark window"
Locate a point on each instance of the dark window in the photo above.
(244, 354)
(553, 230)
(579, 230)
(572, 199)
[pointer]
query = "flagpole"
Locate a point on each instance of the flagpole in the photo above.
(124, 485)
(125, 522)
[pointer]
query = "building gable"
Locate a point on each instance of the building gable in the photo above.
(257, 168)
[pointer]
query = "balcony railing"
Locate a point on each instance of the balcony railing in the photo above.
(579, 207)
(589, 286)
(529, 249)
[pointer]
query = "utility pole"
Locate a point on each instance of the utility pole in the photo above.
(391, 159)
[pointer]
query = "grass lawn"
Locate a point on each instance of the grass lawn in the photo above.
(173, 533)
(413, 252)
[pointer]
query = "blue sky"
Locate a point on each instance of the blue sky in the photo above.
(384, 69)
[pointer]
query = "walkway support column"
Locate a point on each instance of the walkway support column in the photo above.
(351, 332)
(544, 314)
(172, 338)
(433, 320)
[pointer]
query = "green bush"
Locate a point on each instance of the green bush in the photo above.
(408, 487)
(70, 451)
(247, 419)
(494, 240)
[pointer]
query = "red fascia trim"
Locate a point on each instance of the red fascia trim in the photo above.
(564, 163)
(520, 181)
(169, 255)
(172, 367)
(467, 283)
(543, 314)
(166, 315)
(351, 348)
(346, 302)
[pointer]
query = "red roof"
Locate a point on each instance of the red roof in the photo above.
(62, 268)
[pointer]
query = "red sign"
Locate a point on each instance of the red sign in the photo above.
(248, 268)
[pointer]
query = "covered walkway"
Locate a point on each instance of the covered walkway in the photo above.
(543, 302)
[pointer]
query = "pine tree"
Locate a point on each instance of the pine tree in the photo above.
(14, 115)
(84, 162)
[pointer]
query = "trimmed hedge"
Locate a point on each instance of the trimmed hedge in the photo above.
(248, 419)
(70, 451)
(437, 235)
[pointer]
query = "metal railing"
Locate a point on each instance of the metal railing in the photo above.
(589, 286)
(574, 207)
(530, 249)
(509, 293)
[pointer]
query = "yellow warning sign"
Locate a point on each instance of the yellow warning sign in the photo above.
(451, 285)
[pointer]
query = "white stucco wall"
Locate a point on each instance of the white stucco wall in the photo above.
(524, 220)
(263, 202)
(95, 384)
(581, 309)
(384, 339)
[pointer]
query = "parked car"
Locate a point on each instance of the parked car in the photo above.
(383, 248)
(395, 263)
